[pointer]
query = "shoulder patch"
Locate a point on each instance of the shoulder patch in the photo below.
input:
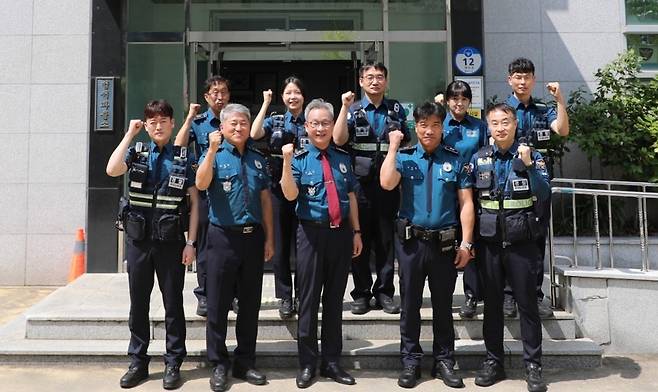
(301, 153)
(201, 116)
(407, 150)
(485, 151)
(340, 150)
(450, 149)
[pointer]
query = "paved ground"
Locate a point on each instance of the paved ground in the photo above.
(618, 373)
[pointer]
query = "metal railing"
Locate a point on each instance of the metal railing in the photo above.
(609, 193)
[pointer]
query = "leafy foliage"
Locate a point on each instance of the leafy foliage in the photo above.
(619, 123)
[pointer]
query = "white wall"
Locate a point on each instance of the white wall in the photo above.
(44, 106)
(567, 40)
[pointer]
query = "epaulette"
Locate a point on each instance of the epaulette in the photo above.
(407, 150)
(485, 151)
(340, 150)
(254, 149)
(450, 149)
(300, 153)
(201, 116)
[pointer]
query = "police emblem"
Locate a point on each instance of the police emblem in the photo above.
(227, 186)
(541, 164)
(471, 133)
(258, 164)
(468, 168)
(447, 167)
(311, 191)
(343, 168)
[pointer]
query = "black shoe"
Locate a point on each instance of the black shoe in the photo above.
(218, 379)
(336, 373)
(534, 379)
(202, 307)
(387, 304)
(408, 376)
(446, 372)
(251, 375)
(490, 373)
(305, 377)
(545, 310)
(468, 309)
(171, 379)
(286, 308)
(235, 306)
(360, 305)
(509, 306)
(134, 376)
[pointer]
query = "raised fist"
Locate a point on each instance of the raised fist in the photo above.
(135, 126)
(554, 89)
(215, 138)
(194, 109)
(525, 153)
(439, 99)
(395, 138)
(267, 96)
(287, 151)
(347, 98)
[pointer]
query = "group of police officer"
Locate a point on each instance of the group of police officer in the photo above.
(463, 180)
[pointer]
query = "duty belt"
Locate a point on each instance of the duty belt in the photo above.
(244, 229)
(431, 235)
(507, 204)
(319, 223)
(370, 146)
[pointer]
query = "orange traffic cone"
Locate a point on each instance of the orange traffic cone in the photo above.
(78, 266)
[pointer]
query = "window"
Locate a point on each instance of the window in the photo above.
(641, 31)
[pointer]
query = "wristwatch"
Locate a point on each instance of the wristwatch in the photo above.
(191, 243)
(466, 245)
(357, 231)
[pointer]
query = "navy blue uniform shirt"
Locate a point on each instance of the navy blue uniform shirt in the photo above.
(449, 174)
(467, 135)
(504, 174)
(237, 181)
(312, 202)
(377, 116)
(531, 116)
(291, 125)
(159, 166)
(202, 125)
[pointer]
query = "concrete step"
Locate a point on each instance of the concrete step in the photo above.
(357, 354)
(96, 307)
(374, 325)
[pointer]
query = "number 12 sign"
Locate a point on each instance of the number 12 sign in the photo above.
(468, 60)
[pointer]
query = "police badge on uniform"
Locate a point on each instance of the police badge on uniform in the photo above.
(447, 167)
(343, 168)
(541, 164)
(227, 186)
(258, 164)
(311, 191)
(471, 133)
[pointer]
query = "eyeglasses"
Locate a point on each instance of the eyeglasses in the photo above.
(216, 93)
(320, 125)
(371, 78)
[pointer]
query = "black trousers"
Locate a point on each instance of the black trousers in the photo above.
(471, 279)
(164, 259)
(323, 264)
(377, 211)
(419, 260)
(202, 246)
(518, 263)
(285, 227)
(541, 246)
(233, 258)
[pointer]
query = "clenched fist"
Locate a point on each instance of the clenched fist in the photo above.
(347, 99)
(554, 89)
(267, 96)
(395, 139)
(135, 126)
(194, 110)
(525, 153)
(215, 138)
(439, 99)
(287, 151)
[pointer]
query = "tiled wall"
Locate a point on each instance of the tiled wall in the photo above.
(44, 90)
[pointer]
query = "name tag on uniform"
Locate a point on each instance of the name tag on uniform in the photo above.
(520, 185)
(485, 161)
(135, 184)
(543, 135)
(176, 182)
(362, 131)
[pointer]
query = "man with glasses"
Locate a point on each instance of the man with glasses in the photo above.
(196, 128)
(320, 178)
(365, 126)
(536, 122)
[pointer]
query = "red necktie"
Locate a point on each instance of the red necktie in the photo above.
(332, 193)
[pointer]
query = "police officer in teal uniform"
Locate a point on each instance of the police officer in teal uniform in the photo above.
(276, 131)
(154, 219)
(467, 134)
(195, 131)
(536, 122)
(240, 239)
(321, 180)
(363, 127)
(437, 203)
(512, 183)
